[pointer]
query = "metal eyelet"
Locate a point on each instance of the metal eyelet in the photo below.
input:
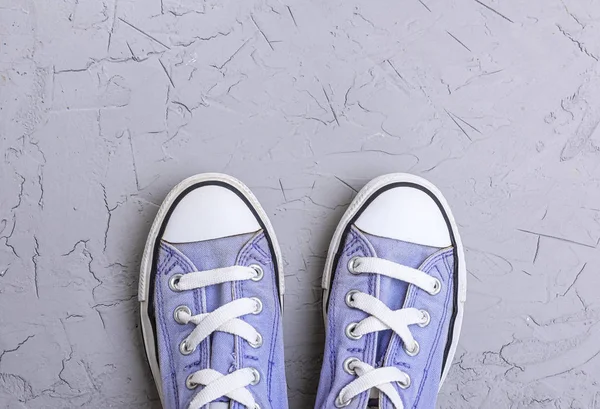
(352, 265)
(412, 351)
(189, 383)
(406, 384)
(259, 305)
(347, 364)
(437, 287)
(180, 309)
(426, 319)
(184, 348)
(350, 331)
(349, 298)
(258, 343)
(340, 403)
(259, 272)
(256, 374)
(173, 281)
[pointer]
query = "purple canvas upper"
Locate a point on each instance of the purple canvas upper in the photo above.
(384, 348)
(222, 352)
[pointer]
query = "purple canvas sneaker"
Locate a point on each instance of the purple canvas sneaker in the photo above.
(211, 291)
(394, 290)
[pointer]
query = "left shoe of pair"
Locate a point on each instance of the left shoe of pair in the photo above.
(211, 296)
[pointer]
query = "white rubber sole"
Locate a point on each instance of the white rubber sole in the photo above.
(148, 256)
(365, 193)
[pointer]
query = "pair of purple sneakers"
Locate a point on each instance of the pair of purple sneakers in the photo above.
(211, 293)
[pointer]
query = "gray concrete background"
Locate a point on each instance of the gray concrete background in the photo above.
(106, 104)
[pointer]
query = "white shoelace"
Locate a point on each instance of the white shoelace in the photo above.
(223, 319)
(382, 318)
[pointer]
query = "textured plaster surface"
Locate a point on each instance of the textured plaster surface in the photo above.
(106, 104)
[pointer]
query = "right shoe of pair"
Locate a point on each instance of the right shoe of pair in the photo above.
(212, 286)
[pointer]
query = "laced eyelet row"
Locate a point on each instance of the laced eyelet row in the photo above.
(173, 285)
(184, 347)
(353, 263)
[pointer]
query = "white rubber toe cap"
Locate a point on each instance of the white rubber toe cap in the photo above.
(407, 214)
(209, 212)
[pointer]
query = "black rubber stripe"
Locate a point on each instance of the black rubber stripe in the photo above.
(373, 196)
(155, 250)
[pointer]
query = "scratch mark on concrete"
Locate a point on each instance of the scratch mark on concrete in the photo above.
(232, 55)
(495, 11)
(537, 249)
(425, 5)
(573, 16)
(137, 180)
(167, 73)
(457, 40)
(558, 238)
(133, 56)
(346, 184)
(575, 280)
(112, 28)
(466, 123)
(101, 318)
(474, 276)
(184, 106)
(330, 106)
(363, 18)
(395, 70)
(262, 32)
(316, 100)
(235, 84)
(292, 15)
(457, 124)
(282, 190)
(583, 304)
(545, 213)
(470, 80)
(146, 34)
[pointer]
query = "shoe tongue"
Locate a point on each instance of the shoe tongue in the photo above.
(373, 402)
(393, 292)
(207, 255)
